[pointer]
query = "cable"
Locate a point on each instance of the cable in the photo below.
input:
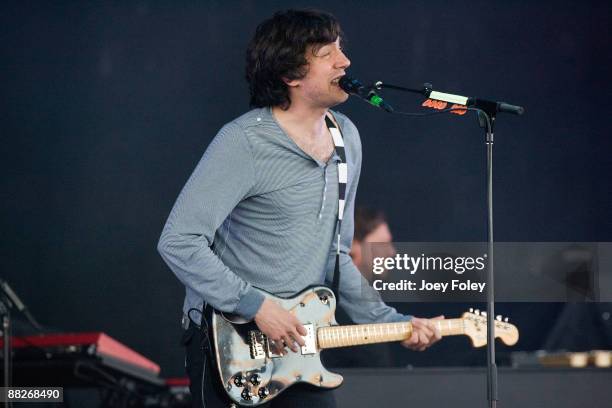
(191, 321)
(204, 343)
(438, 112)
(421, 115)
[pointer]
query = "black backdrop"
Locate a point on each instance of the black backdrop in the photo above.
(108, 106)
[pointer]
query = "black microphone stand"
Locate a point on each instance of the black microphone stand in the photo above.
(8, 300)
(5, 306)
(487, 111)
(487, 121)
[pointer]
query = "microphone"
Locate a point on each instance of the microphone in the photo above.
(15, 300)
(506, 107)
(353, 87)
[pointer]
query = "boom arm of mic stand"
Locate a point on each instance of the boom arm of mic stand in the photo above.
(490, 107)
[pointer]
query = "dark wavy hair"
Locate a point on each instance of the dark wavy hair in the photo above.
(278, 50)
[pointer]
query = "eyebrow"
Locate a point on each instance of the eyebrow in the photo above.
(318, 47)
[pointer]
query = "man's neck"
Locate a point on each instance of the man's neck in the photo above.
(306, 121)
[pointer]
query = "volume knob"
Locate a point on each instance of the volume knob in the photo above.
(263, 392)
(246, 394)
(255, 379)
(239, 380)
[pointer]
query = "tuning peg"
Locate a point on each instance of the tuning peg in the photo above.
(477, 311)
(498, 318)
(471, 310)
(506, 320)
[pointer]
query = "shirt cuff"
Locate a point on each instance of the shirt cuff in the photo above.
(401, 318)
(250, 303)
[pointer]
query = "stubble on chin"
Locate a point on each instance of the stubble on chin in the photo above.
(341, 100)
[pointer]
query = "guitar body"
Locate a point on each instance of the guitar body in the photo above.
(251, 372)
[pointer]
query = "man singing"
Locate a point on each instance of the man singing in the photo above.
(262, 205)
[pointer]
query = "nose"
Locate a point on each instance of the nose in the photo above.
(343, 61)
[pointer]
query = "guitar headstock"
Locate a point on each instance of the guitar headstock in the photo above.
(475, 327)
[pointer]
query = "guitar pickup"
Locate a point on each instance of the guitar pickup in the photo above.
(310, 339)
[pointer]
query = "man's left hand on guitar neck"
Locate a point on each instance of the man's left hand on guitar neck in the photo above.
(424, 333)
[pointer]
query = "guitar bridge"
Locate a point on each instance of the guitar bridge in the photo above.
(256, 344)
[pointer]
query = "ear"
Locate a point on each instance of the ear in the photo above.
(291, 83)
(356, 252)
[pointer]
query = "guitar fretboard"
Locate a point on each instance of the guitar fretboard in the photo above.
(358, 334)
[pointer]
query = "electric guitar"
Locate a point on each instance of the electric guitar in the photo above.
(252, 373)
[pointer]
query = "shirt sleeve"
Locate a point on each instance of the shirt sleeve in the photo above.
(224, 176)
(361, 302)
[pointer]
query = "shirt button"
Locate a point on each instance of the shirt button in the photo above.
(259, 119)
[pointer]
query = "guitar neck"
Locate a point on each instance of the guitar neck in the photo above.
(359, 334)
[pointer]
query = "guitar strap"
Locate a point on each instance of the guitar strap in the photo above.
(336, 133)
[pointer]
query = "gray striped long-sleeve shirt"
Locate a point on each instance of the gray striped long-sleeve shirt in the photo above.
(259, 212)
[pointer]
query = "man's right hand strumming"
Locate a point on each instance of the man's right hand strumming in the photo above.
(280, 326)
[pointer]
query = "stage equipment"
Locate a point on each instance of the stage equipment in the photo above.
(8, 300)
(86, 360)
(460, 387)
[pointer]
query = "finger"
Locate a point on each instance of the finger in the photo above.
(437, 335)
(426, 329)
(410, 340)
(438, 332)
(282, 350)
(290, 343)
(298, 338)
(408, 344)
(413, 343)
(435, 329)
(423, 339)
(301, 329)
(276, 348)
(418, 323)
